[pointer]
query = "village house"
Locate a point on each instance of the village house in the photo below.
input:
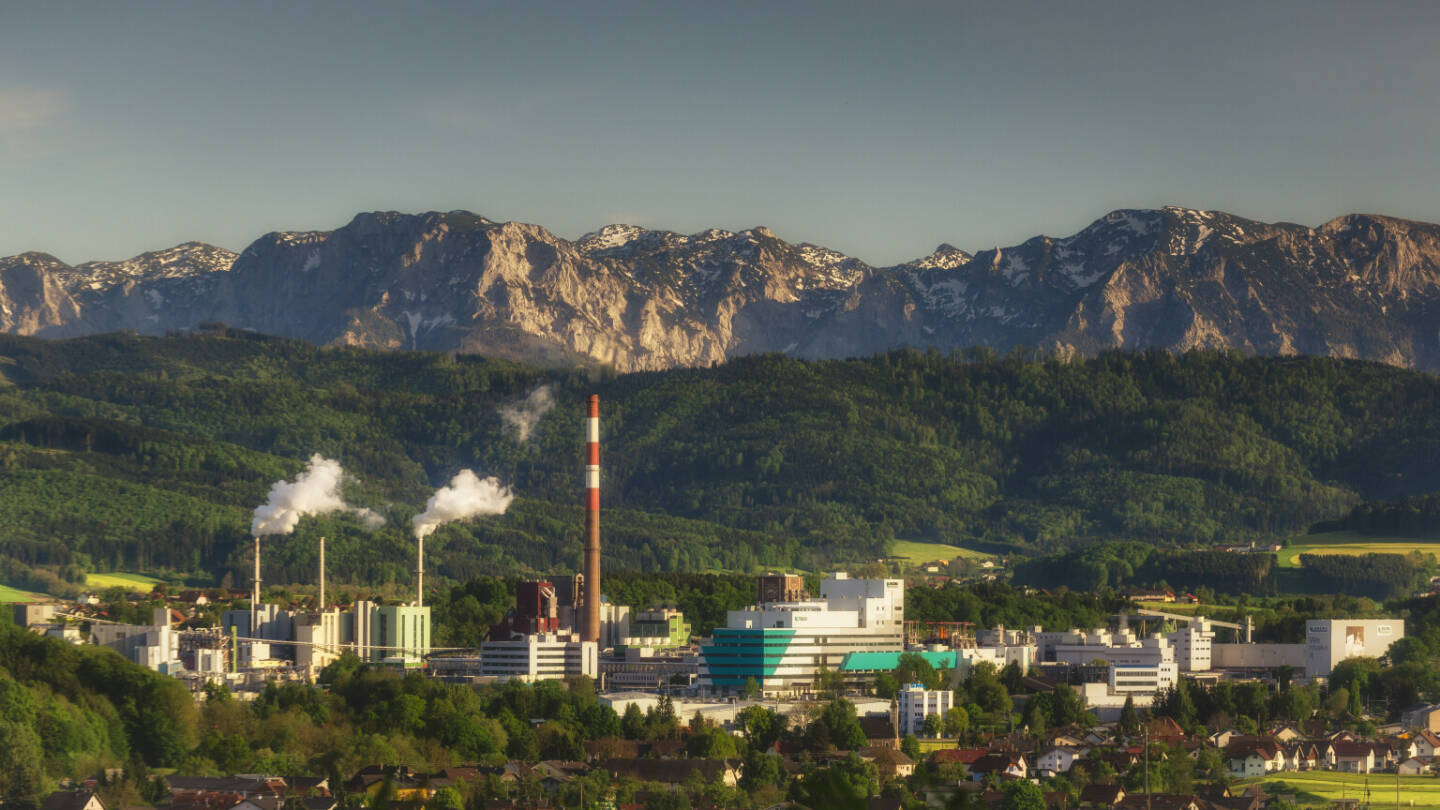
(891, 764)
(1350, 756)
(1056, 759)
(1415, 766)
(1249, 758)
(220, 791)
(73, 800)
(1003, 764)
(1427, 744)
(1422, 717)
(1098, 795)
(674, 773)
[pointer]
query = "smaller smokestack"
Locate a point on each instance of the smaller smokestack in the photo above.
(255, 598)
(322, 575)
(420, 572)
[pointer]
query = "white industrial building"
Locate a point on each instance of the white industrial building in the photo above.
(1330, 641)
(783, 646)
(539, 657)
(154, 646)
(914, 703)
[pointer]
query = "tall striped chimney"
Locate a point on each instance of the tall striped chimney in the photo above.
(591, 630)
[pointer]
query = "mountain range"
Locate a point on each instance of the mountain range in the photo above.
(1359, 286)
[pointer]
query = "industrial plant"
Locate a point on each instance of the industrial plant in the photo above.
(781, 647)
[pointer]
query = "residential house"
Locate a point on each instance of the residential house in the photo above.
(1164, 730)
(890, 762)
(1284, 732)
(1249, 758)
(1352, 757)
(302, 786)
(73, 800)
(880, 731)
(1427, 744)
(674, 773)
(1414, 766)
(1004, 764)
(409, 786)
(219, 791)
(555, 773)
(1422, 717)
(1302, 756)
(1017, 742)
(1056, 759)
(1222, 738)
(1163, 801)
(1397, 750)
(957, 756)
(1098, 795)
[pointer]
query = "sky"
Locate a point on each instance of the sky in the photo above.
(877, 129)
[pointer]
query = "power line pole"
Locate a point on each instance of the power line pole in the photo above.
(1145, 743)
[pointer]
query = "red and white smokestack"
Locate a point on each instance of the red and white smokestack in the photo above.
(591, 630)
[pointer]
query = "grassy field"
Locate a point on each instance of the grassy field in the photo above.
(9, 594)
(1322, 787)
(919, 552)
(1178, 608)
(134, 582)
(1352, 543)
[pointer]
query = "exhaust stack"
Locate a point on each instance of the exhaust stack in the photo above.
(320, 604)
(255, 597)
(591, 629)
(420, 571)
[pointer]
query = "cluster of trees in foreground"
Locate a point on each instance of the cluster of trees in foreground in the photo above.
(119, 452)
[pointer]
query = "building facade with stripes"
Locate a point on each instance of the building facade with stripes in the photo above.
(785, 646)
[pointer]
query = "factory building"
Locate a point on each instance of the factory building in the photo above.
(785, 645)
(1330, 641)
(631, 668)
(539, 657)
(154, 646)
(663, 628)
(390, 634)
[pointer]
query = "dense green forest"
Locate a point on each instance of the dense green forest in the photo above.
(123, 452)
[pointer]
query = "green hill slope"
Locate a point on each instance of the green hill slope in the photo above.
(127, 453)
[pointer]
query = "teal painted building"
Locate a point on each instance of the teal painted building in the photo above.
(784, 646)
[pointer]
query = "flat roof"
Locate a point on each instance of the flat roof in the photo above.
(886, 661)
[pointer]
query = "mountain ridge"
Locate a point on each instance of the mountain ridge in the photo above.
(1361, 285)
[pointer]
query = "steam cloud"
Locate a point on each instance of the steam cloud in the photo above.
(525, 414)
(316, 491)
(467, 496)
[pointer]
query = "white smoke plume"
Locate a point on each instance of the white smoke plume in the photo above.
(316, 491)
(525, 414)
(373, 520)
(467, 496)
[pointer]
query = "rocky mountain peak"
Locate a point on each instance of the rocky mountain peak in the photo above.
(636, 298)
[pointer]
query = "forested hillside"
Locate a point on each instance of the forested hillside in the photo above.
(121, 452)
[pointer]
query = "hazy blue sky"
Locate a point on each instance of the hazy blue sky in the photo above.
(878, 129)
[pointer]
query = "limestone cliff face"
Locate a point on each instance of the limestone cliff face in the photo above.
(32, 298)
(636, 299)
